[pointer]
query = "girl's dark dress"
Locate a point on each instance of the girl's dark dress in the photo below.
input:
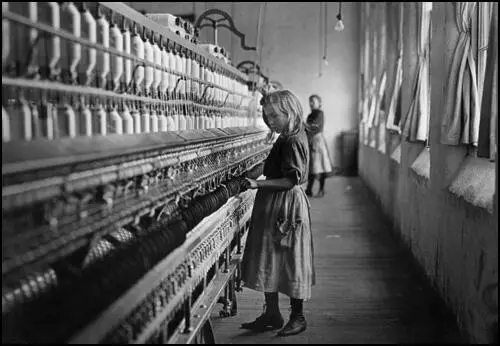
(278, 254)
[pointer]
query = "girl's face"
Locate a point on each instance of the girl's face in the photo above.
(314, 103)
(277, 122)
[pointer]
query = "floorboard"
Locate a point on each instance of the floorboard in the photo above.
(368, 289)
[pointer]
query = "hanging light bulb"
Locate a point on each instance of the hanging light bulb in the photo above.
(340, 25)
(325, 59)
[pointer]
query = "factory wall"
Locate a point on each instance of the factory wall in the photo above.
(292, 52)
(444, 208)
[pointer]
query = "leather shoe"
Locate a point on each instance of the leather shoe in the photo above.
(296, 325)
(265, 322)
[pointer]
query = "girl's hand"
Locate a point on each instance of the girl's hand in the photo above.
(252, 184)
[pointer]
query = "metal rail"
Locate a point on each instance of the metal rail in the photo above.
(216, 23)
(45, 154)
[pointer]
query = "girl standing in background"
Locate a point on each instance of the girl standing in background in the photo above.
(320, 166)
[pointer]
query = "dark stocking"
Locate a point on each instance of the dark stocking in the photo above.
(272, 305)
(297, 305)
(322, 179)
(310, 185)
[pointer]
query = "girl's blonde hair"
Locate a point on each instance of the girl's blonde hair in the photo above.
(285, 102)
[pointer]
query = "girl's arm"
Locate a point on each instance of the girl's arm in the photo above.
(256, 172)
(284, 183)
(316, 124)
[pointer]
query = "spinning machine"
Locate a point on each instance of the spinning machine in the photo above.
(124, 151)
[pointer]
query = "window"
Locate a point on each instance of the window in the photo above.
(395, 109)
(378, 75)
(487, 70)
(462, 111)
(362, 68)
(483, 26)
(416, 125)
(380, 119)
(425, 95)
(366, 69)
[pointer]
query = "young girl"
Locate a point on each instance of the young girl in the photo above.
(320, 164)
(278, 254)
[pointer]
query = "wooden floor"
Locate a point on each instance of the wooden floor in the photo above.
(368, 289)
